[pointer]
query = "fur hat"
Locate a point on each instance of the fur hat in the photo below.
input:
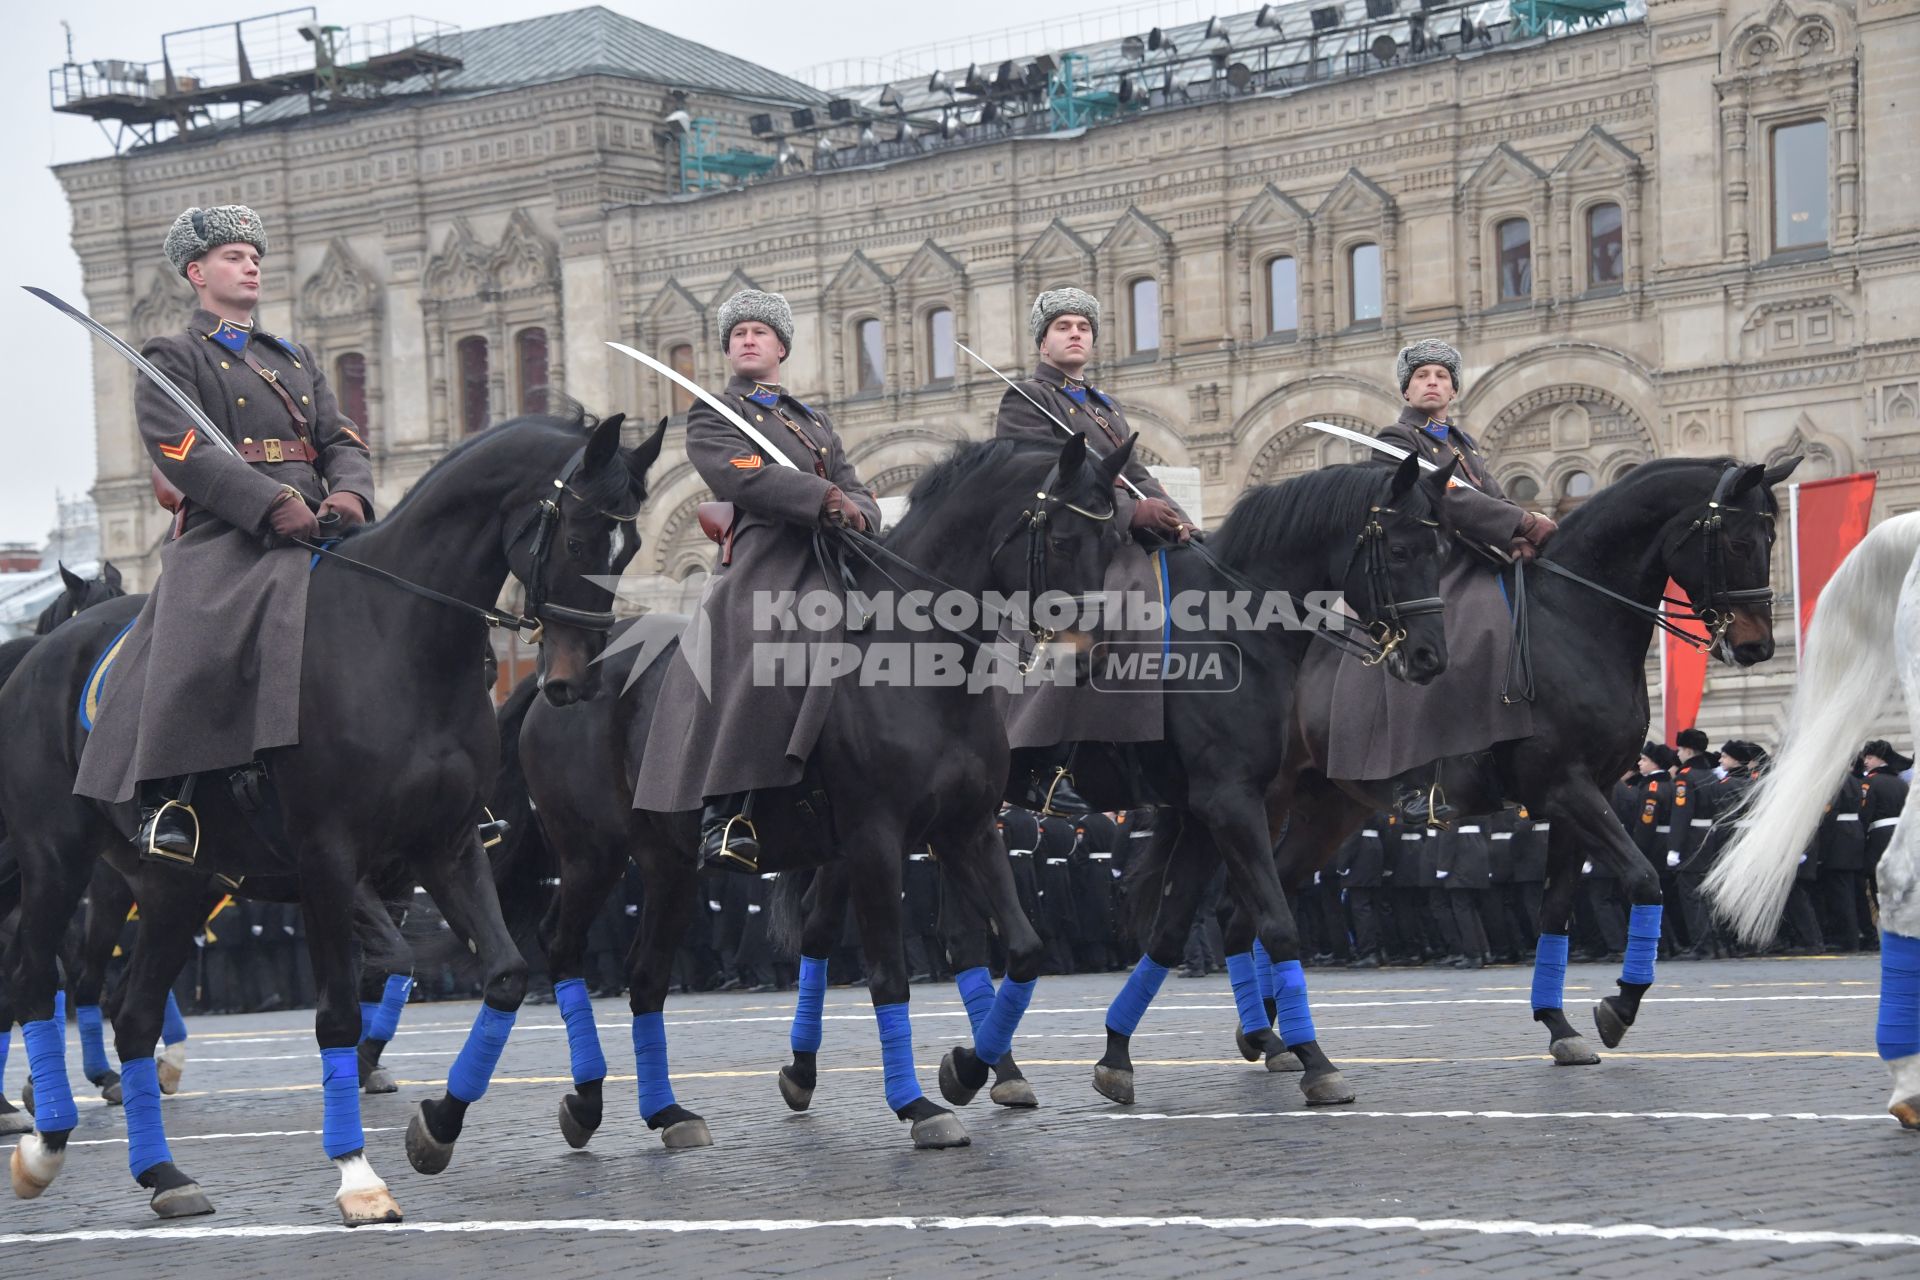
(198, 232)
(770, 309)
(1692, 740)
(1660, 753)
(1426, 351)
(1884, 749)
(1741, 752)
(1054, 303)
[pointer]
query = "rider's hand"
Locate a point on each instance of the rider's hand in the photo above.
(351, 510)
(1520, 549)
(837, 509)
(289, 517)
(1536, 529)
(1158, 516)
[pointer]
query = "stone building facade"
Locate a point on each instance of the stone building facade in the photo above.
(1696, 232)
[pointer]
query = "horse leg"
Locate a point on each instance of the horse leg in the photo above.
(462, 887)
(12, 1118)
(1897, 1029)
(108, 901)
(1568, 1047)
(672, 894)
(588, 873)
(172, 1058)
(970, 949)
(383, 994)
(979, 866)
(50, 891)
(1250, 973)
(169, 917)
(1610, 847)
(875, 872)
(1186, 863)
(824, 921)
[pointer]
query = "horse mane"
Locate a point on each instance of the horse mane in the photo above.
(981, 465)
(1271, 521)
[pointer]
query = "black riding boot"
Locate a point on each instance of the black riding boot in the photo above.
(728, 840)
(1420, 801)
(169, 828)
(1050, 786)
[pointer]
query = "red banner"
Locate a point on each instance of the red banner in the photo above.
(1683, 674)
(1829, 518)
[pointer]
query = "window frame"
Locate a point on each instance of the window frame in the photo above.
(1274, 332)
(1134, 350)
(1349, 253)
(860, 386)
(467, 386)
(1772, 131)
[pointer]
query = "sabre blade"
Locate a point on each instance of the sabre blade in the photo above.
(1024, 395)
(713, 401)
(140, 362)
(1378, 446)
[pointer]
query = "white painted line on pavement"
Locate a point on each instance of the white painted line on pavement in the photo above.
(219, 1137)
(1331, 1114)
(722, 1226)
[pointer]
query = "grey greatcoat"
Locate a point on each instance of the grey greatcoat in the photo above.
(209, 676)
(723, 730)
(1048, 714)
(1378, 726)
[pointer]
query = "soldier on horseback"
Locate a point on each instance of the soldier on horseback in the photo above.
(1049, 719)
(1392, 729)
(723, 734)
(208, 677)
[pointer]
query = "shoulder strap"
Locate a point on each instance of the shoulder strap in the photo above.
(272, 379)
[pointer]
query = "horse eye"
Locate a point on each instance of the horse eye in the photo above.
(575, 546)
(1398, 554)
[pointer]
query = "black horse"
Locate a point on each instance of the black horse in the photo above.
(1591, 607)
(899, 766)
(397, 753)
(78, 593)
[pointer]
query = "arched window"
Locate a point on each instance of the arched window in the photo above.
(940, 360)
(1283, 295)
(873, 355)
(530, 359)
(1800, 186)
(471, 357)
(1143, 316)
(1363, 283)
(1516, 259)
(350, 389)
(680, 360)
(1575, 488)
(1605, 259)
(1523, 489)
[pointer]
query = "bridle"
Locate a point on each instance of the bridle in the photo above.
(538, 529)
(1388, 629)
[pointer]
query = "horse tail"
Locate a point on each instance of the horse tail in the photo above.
(1846, 668)
(787, 911)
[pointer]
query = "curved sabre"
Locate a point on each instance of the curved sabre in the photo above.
(1024, 395)
(688, 384)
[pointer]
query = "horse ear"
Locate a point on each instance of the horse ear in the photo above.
(1116, 462)
(641, 459)
(1444, 476)
(1749, 476)
(1404, 477)
(1073, 456)
(75, 583)
(1781, 470)
(603, 443)
(110, 574)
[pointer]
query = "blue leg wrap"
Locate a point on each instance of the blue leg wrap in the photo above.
(60, 1008)
(6, 1044)
(93, 1042)
(173, 1027)
(1290, 993)
(583, 1038)
(1143, 984)
(995, 1036)
(480, 1054)
(807, 1006)
(1243, 971)
(1898, 1031)
(393, 1002)
(976, 992)
(1643, 944)
(650, 1063)
(53, 1109)
(1550, 971)
(368, 1012)
(140, 1098)
(896, 1054)
(1263, 969)
(340, 1087)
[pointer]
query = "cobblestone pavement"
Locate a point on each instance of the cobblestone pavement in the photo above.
(1740, 1128)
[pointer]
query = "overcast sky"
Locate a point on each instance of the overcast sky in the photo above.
(47, 432)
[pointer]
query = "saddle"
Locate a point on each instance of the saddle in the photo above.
(717, 521)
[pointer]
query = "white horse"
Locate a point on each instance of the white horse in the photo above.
(1865, 632)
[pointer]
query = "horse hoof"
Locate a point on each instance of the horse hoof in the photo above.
(1328, 1090)
(26, 1097)
(941, 1130)
(685, 1135)
(1113, 1083)
(1906, 1111)
(1015, 1092)
(952, 1087)
(111, 1095)
(181, 1202)
(1610, 1025)
(426, 1153)
(168, 1070)
(798, 1096)
(13, 1120)
(577, 1133)
(1248, 1049)
(1573, 1051)
(379, 1081)
(364, 1208)
(33, 1167)
(1285, 1061)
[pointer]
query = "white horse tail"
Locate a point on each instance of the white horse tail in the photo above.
(1847, 671)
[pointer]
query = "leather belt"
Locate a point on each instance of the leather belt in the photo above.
(1701, 822)
(1467, 831)
(1883, 822)
(271, 450)
(1847, 817)
(1056, 862)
